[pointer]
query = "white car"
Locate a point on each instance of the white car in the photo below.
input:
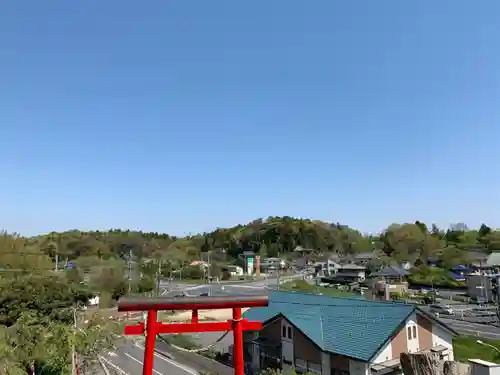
(442, 309)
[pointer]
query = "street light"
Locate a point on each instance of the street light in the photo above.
(488, 345)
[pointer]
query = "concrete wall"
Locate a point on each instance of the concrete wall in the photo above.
(444, 338)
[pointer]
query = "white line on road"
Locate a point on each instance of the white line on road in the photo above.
(245, 286)
(465, 323)
(121, 371)
(479, 333)
(169, 361)
(140, 362)
(195, 287)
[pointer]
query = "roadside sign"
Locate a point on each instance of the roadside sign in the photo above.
(250, 267)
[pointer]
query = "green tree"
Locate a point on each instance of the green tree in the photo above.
(280, 235)
(263, 251)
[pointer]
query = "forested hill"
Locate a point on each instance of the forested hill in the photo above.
(273, 236)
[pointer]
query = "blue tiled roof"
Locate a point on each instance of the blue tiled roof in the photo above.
(457, 276)
(351, 327)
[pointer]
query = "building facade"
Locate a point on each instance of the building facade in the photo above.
(352, 272)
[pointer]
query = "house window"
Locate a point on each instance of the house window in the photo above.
(284, 332)
(412, 332)
(289, 332)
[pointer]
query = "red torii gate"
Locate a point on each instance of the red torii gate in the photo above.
(152, 327)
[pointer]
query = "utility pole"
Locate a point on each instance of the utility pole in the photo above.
(209, 272)
(129, 272)
(129, 278)
(278, 270)
(209, 266)
(158, 274)
(73, 354)
(57, 262)
(497, 287)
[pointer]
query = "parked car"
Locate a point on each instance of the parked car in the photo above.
(442, 309)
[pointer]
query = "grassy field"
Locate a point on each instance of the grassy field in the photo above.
(466, 347)
(303, 286)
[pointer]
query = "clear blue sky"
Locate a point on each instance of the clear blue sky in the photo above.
(181, 116)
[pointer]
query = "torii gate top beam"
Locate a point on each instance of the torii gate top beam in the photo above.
(190, 303)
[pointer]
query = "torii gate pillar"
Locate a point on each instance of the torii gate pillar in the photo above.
(152, 327)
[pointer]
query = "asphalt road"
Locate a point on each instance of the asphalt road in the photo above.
(473, 329)
(234, 288)
(261, 282)
(128, 359)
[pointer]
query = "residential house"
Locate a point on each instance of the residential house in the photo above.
(303, 256)
(275, 262)
(234, 270)
(328, 266)
(391, 273)
(392, 281)
(406, 265)
(364, 258)
(351, 272)
(332, 267)
(320, 269)
(340, 336)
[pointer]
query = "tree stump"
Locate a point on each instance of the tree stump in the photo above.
(421, 364)
(431, 364)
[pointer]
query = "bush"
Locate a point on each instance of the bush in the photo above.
(193, 273)
(433, 276)
(146, 284)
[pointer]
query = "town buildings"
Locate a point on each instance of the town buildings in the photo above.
(341, 336)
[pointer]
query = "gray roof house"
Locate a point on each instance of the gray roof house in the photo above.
(390, 272)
